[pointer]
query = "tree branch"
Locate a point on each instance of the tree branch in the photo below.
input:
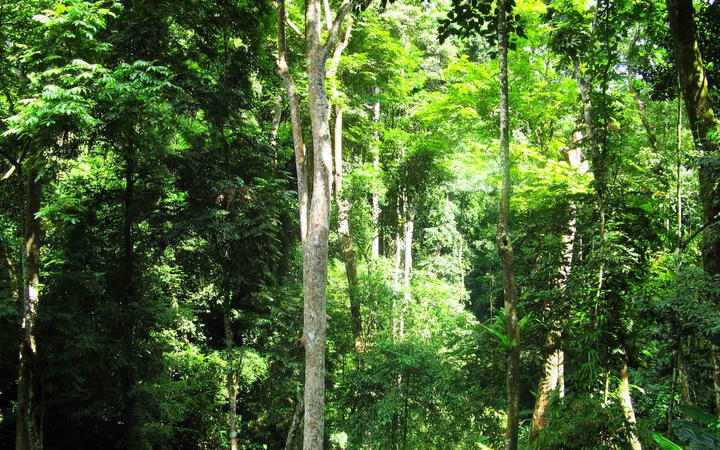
(332, 37)
(705, 226)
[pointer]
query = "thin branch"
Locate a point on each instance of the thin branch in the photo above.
(294, 27)
(328, 21)
(332, 37)
(707, 225)
(10, 158)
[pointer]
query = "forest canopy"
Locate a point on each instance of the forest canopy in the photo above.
(357, 224)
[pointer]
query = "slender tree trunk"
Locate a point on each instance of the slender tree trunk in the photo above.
(277, 116)
(295, 425)
(376, 168)
(626, 401)
(28, 431)
(315, 246)
(695, 91)
(408, 240)
(230, 373)
(296, 121)
(505, 248)
(671, 414)
(346, 244)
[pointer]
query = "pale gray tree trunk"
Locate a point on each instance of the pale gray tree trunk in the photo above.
(315, 239)
(376, 168)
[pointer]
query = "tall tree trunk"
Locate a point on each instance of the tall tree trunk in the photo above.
(626, 401)
(346, 244)
(230, 373)
(376, 168)
(554, 370)
(695, 91)
(28, 430)
(315, 246)
(683, 380)
(505, 248)
(407, 296)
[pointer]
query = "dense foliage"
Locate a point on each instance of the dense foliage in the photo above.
(151, 142)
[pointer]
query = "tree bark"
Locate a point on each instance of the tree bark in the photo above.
(28, 430)
(683, 381)
(695, 92)
(295, 119)
(548, 383)
(626, 401)
(315, 246)
(343, 205)
(505, 248)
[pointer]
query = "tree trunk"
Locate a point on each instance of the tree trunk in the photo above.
(346, 244)
(376, 168)
(695, 91)
(505, 249)
(230, 373)
(296, 121)
(407, 295)
(315, 246)
(683, 381)
(295, 425)
(28, 431)
(277, 116)
(626, 401)
(548, 383)
(554, 371)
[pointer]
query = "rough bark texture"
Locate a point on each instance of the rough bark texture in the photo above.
(295, 120)
(695, 91)
(626, 401)
(315, 246)
(28, 430)
(505, 249)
